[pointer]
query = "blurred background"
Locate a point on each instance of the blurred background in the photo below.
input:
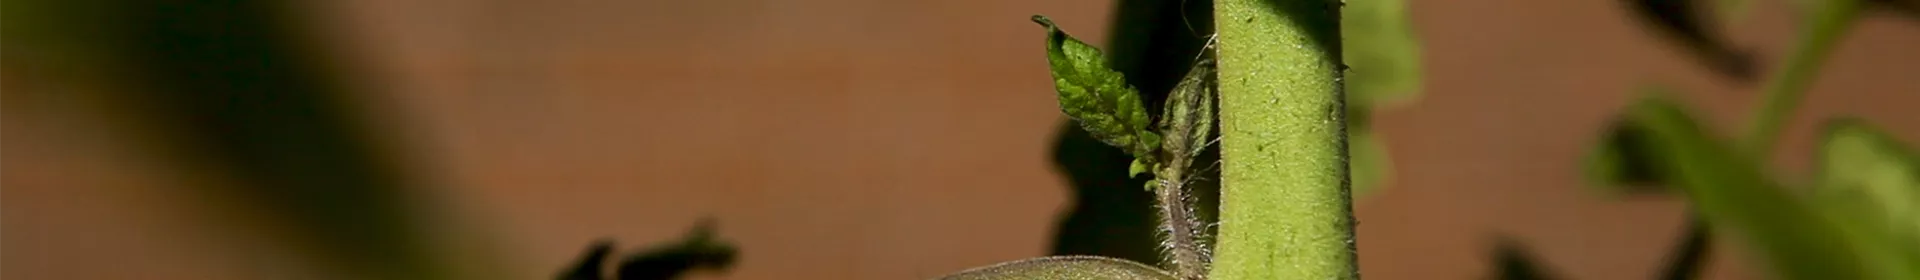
(828, 139)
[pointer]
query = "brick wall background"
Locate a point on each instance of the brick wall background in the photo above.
(866, 139)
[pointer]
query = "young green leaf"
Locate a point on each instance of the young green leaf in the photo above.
(1065, 268)
(1186, 124)
(1095, 95)
(1138, 167)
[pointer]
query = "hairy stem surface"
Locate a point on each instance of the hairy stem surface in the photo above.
(1285, 210)
(1181, 228)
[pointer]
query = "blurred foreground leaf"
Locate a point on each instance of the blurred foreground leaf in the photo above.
(1367, 161)
(1870, 183)
(250, 93)
(1792, 236)
(1860, 166)
(1383, 53)
(1382, 50)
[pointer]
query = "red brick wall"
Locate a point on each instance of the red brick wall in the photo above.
(848, 139)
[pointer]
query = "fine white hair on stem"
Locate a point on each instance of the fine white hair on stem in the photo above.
(1206, 46)
(1186, 123)
(1181, 230)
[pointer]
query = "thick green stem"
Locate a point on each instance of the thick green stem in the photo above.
(1826, 23)
(1285, 212)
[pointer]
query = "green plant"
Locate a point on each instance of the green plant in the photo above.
(1286, 207)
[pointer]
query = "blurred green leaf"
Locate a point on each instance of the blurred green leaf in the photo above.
(1861, 166)
(1382, 50)
(1870, 184)
(1367, 161)
(1096, 96)
(1065, 268)
(249, 92)
(1368, 165)
(1383, 53)
(1733, 11)
(1795, 239)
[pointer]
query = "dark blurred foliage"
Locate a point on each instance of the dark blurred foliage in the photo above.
(244, 87)
(1908, 8)
(1691, 24)
(252, 90)
(1514, 263)
(1153, 42)
(1623, 145)
(699, 251)
(244, 91)
(591, 263)
(1697, 27)
(1628, 162)
(1690, 256)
